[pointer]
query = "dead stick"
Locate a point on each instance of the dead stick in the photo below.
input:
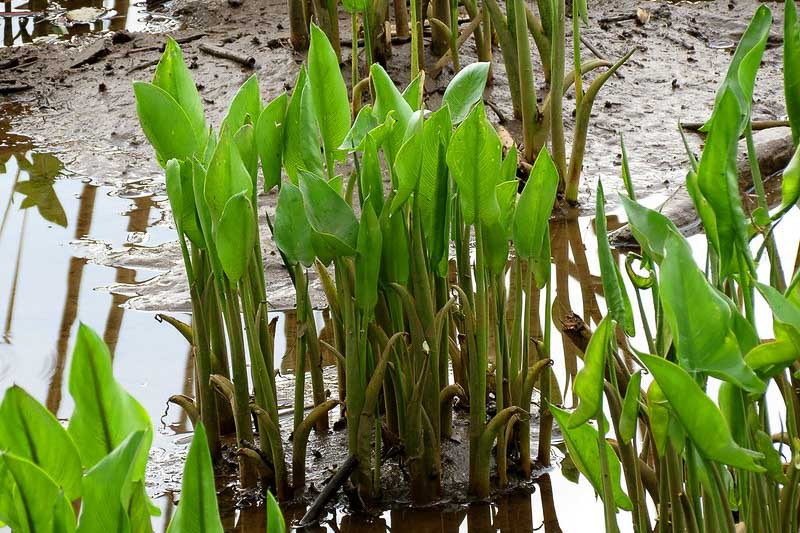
(160, 48)
(462, 38)
(331, 488)
(10, 89)
(142, 66)
(223, 53)
(617, 18)
(757, 125)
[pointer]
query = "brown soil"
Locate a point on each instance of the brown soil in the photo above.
(86, 113)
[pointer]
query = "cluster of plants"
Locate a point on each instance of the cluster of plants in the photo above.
(512, 26)
(699, 440)
(434, 265)
(90, 476)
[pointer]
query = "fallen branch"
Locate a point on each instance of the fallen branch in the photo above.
(223, 53)
(11, 89)
(328, 492)
(160, 48)
(142, 66)
(757, 125)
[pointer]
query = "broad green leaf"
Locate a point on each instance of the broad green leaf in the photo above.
(496, 236)
(791, 67)
(108, 488)
(105, 414)
(434, 184)
(181, 200)
(197, 510)
(165, 123)
(785, 312)
(770, 358)
(301, 150)
(408, 165)
(732, 406)
(329, 93)
(371, 184)
(413, 93)
(619, 305)
(30, 431)
(790, 184)
(354, 6)
(718, 180)
(244, 140)
(474, 160)
(697, 413)
(701, 205)
(582, 444)
(333, 223)
(368, 260)
(364, 123)
(275, 523)
(395, 259)
(291, 232)
(34, 497)
(530, 229)
(630, 408)
(465, 90)
(173, 76)
(741, 76)
(42, 170)
(388, 100)
(650, 228)
(235, 235)
(226, 176)
(508, 170)
(589, 381)
(269, 140)
(245, 106)
(701, 320)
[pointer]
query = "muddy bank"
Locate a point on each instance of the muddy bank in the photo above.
(80, 101)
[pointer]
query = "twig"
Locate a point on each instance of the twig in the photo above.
(223, 53)
(160, 48)
(501, 118)
(617, 18)
(329, 491)
(599, 56)
(757, 125)
(11, 89)
(21, 13)
(396, 39)
(142, 66)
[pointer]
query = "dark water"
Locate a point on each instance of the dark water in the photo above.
(23, 21)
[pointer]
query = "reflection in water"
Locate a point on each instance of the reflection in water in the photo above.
(22, 21)
(45, 288)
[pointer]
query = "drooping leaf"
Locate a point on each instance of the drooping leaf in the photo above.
(701, 320)
(371, 185)
(333, 223)
(244, 140)
(770, 358)
(650, 228)
(530, 228)
(181, 200)
(105, 414)
(245, 106)
(269, 139)
(329, 93)
(173, 76)
(619, 305)
(701, 419)
(291, 232)
(364, 123)
(197, 509)
(235, 236)
(34, 499)
(474, 160)
(226, 176)
(630, 408)
(717, 178)
(109, 486)
(465, 90)
(30, 431)
(741, 76)
(368, 260)
(165, 123)
(388, 100)
(589, 381)
(791, 67)
(582, 444)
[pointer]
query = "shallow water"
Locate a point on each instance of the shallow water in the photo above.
(26, 21)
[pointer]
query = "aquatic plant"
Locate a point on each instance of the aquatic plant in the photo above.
(90, 475)
(707, 463)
